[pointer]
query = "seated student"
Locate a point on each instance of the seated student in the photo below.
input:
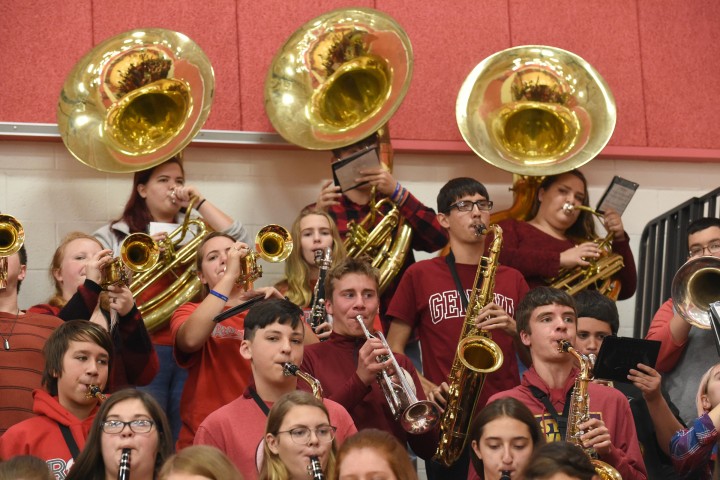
(655, 422)
(128, 420)
(199, 462)
(23, 336)
(678, 361)
(503, 435)
(694, 449)
(554, 238)
(76, 270)
(78, 354)
(560, 461)
(314, 231)
(545, 317)
(374, 454)
(25, 467)
(206, 348)
(347, 364)
(274, 331)
(298, 439)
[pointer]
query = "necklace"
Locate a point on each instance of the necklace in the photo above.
(6, 339)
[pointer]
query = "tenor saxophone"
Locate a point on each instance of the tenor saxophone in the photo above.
(477, 355)
(579, 412)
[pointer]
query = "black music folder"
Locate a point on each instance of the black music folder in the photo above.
(618, 355)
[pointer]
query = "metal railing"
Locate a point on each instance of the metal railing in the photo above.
(663, 249)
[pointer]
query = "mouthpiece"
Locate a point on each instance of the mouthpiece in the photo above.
(480, 229)
(564, 346)
(124, 467)
(315, 469)
(289, 369)
(568, 208)
(94, 391)
(505, 475)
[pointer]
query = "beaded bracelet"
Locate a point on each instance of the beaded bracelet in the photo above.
(219, 295)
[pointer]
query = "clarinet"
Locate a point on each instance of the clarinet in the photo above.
(315, 469)
(124, 468)
(323, 259)
(505, 475)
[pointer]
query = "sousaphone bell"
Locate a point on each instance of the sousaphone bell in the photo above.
(135, 100)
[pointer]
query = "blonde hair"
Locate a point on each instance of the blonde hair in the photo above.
(297, 270)
(57, 299)
(203, 460)
(702, 389)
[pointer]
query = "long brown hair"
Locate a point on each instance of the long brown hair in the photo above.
(584, 226)
(136, 213)
(297, 271)
(57, 299)
(90, 464)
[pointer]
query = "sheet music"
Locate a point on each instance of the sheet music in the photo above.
(617, 196)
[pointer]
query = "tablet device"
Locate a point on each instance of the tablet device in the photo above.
(346, 170)
(618, 355)
(617, 196)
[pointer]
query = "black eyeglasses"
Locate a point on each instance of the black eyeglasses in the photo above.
(136, 426)
(712, 249)
(467, 205)
(301, 435)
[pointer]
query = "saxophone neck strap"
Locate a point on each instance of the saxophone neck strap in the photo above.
(561, 420)
(450, 260)
(263, 406)
(69, 440)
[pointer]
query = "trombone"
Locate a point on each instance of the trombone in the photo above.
(415, 416)
(12, 237)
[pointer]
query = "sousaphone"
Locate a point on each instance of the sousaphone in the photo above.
(338, 79)
(135, 100)
(534, 110)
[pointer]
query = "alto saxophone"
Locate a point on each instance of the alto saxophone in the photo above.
(292, 369)
(579, 412)
(476, 356)
(94, 391)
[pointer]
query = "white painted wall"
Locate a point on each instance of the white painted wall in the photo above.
(51, 193)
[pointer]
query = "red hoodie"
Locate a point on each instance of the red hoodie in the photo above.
(606, 403)
(41, 436)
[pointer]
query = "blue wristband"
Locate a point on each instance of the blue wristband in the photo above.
(397, 189)
(219, 295)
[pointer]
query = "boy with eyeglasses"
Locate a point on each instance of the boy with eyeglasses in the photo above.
(433, 294)
(686, 352)
(274, 333)
(78, 354)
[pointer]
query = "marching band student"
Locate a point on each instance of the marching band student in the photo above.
(694, 449)
(545, 317)
(314, 230)
(78, 354)
(274, 331)
(655, 420)
(159, 194)
(503, 435)
(374, 454)
(206, 348)
(554, 239)
(433, 294)
(128, 420)
(199, 462)
(23, 336)
(298, 430)
(354, 204)
(678, 361)
(76, 270)
(25, 467)
(347, 364)
(560, 461)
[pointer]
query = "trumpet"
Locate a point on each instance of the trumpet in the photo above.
(124, 467)
(12, 237)
(138, 252)
(415, 416)
(94, 391)
(273, 243)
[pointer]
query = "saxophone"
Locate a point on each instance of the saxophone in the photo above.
(476, 356)
(290, 369)
(579, 412)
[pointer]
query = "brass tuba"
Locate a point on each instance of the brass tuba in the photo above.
(695, 286)
(476, 356)
(600, 271)
(336, 81)
(135, 100)
(579, 412)
(12, 237)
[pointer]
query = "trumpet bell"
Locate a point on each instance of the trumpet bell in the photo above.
(695, 286)
(139, 252)
(535, 110)
(12, 235)
(273, 243)
(135, 100)
(338, 78)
